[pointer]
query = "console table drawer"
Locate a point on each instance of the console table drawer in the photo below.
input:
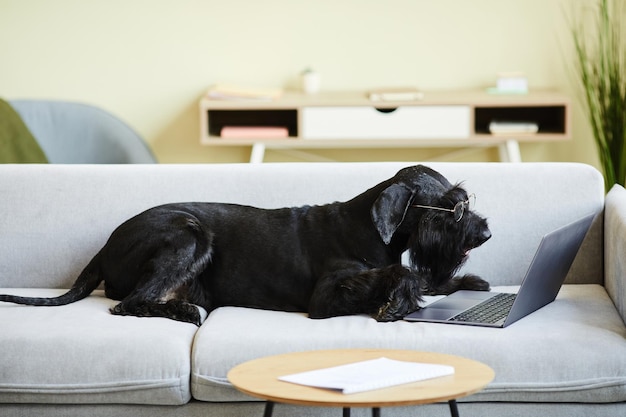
(405, 122)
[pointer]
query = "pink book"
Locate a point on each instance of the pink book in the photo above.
(254, 132)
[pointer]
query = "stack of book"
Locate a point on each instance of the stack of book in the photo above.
(255, 132)
(235, 92)
(396, 94)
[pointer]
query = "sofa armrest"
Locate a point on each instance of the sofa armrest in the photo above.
(615, 247)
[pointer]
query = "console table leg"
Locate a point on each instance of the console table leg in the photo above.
(258, 153)
(269, 409)
(375, 412)
(510, 152)
(454, 410)
(346, 412)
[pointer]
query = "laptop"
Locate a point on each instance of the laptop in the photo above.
(543, 280)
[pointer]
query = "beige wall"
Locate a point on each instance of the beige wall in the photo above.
(149, 61)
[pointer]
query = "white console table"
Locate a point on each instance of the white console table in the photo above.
(351, 120)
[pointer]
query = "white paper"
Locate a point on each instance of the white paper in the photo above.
(369, 375)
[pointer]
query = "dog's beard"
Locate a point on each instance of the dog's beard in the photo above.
(436, 254)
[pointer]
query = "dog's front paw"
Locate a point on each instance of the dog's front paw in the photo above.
(473, 282)
(404, 296)
(466, 282)
(387, 312)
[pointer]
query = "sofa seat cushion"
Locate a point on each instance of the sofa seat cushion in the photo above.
(572, 350)
(80, 353)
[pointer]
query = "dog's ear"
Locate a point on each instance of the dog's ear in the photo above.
(389, 210)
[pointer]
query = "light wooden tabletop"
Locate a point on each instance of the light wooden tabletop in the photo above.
(259, 378)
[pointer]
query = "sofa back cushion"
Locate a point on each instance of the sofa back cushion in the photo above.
(54, 218)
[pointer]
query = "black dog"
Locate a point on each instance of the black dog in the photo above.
(330, 260)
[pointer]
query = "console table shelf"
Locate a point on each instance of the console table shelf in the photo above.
(351, 120)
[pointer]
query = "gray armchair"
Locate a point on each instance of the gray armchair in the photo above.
(76, 133)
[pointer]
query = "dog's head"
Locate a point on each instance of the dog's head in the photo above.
(420, 210)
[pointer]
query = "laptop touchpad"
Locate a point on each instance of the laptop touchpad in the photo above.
(451, 303)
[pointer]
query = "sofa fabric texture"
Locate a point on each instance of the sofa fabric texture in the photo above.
(546, 376)
(82, 354)
(54, 218)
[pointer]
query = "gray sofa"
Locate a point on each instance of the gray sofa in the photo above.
(567, 359)
(76, 133)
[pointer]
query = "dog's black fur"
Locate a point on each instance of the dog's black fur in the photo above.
(330, 260)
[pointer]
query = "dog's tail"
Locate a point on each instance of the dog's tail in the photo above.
(86, 282)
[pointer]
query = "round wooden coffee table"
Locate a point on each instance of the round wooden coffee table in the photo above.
(259, 378)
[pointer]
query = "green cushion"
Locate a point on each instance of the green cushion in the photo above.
(17, 144)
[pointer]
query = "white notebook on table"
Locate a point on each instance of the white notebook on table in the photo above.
(369, 375)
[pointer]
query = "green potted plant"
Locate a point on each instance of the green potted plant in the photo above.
(600, 65)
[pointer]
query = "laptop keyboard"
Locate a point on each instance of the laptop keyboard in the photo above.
(489, 311)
